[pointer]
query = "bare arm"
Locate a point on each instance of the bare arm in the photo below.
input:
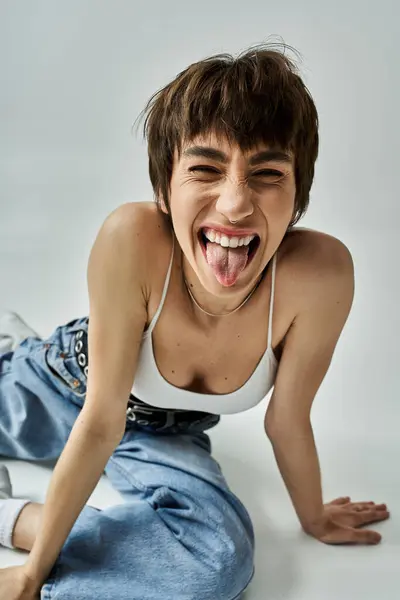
(305, 361)
(117, 318)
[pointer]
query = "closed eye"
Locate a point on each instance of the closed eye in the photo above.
(269, 172)
(201, 168)
(263, 173)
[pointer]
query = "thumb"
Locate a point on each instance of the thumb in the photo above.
(349, 535)
(366, 536)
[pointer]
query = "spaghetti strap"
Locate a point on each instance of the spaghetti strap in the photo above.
(165, 290)
(271, 303)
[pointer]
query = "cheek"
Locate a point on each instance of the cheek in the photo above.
(182, 220)
(278, 204)
(181, 214)
(186, 206)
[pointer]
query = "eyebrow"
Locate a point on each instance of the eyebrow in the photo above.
(259, 157)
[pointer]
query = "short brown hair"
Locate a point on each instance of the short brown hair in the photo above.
(255, 98)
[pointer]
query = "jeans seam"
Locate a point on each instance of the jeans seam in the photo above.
(128, 476)
(33, 351)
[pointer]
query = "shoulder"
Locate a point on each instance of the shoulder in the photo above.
(312, 264)
(137, 238)
(141, 227)
(139, 219)
(309, 249)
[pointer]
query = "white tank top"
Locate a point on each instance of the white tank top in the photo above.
(151, 387)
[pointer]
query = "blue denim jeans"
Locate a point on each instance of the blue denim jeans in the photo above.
(179, 532)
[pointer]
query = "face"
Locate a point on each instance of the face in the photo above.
(230, 210)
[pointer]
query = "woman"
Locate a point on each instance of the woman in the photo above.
(199, 305)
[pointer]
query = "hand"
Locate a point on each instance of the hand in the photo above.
(16, 585)
(341, 519)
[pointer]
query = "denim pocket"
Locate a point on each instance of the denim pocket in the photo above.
(65, 367)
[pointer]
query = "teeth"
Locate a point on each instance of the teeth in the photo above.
(227, 242)
(224, 241)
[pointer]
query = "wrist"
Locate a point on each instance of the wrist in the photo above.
(31, 585)
(316, 527)
(34, 574)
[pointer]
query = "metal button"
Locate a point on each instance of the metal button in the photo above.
(82, 360)
(78, 346)
(75, 383)
(79, 335)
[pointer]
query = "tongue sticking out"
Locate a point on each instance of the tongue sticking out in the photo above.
(226, 263)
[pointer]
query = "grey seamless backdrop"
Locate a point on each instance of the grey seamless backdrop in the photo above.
(74, 76)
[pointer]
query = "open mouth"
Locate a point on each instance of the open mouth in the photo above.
(227, 256)
(252, 247)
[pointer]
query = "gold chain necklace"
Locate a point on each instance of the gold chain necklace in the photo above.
(232, 311)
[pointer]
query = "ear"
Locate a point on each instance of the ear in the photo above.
(163, 206)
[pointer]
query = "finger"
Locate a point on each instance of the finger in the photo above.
(341, 500)
(362, 506)
(372, 516)
(368, 504)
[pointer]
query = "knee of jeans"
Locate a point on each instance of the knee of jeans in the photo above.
(223, 543)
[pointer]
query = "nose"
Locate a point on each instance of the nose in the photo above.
(235, 203)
